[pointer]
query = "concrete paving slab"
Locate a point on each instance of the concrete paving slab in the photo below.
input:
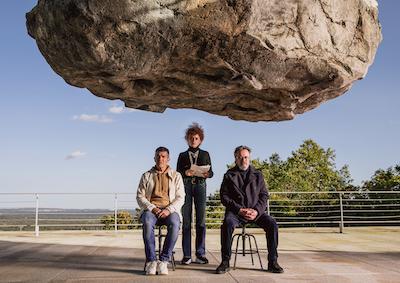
(367, 254)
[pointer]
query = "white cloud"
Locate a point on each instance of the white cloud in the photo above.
(116, 109)
(93, 118)
(75, 154)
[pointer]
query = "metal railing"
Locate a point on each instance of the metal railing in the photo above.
(299, 209)
(290, 209)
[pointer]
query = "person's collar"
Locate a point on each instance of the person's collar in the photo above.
(193, 149)
(155, 169)
(244, 171)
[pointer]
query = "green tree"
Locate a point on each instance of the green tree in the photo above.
(123, 217)
(214, 211)
(370, 203)
(310, 168)
(384, 180)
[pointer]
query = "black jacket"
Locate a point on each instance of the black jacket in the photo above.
(183, 163)
(254, 195)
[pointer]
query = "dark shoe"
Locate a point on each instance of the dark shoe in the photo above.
(274, 267)
(186, 260)
(201, 260)
(223, 267)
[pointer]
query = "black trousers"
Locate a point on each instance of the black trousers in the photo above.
(232, 220)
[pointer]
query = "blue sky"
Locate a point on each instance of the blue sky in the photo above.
(50, 143)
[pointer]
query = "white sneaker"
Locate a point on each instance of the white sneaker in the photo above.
(151, 268)
(162, 268)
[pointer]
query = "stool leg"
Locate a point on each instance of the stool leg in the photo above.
(173, 261)
(236, 251)
(258, 253)
(160, 236)
(243, 244)
(251, 250)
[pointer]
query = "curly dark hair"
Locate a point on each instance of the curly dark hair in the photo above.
(194, 129)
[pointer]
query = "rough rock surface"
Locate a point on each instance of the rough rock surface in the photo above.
(255, 60)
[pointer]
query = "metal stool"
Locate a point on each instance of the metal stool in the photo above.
(160, 237)
(245, 251)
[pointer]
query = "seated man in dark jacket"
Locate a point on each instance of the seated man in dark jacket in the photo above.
(244, 195)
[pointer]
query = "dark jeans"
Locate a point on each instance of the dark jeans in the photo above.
(265, 221)
(149, 220)
(197, 193)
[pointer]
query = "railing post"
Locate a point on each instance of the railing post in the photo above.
(37, 216)
(116, 213)
(268, 212)
(341, 225)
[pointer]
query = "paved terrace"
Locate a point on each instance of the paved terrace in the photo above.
(308, 255)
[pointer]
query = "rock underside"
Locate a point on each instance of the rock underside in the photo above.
(254, 60)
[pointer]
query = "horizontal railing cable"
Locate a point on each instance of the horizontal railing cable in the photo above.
(288, 208)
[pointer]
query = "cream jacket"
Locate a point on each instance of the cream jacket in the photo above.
(176, 191)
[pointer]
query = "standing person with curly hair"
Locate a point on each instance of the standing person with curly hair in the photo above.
(195, 190)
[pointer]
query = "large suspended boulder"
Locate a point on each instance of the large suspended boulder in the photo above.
(254, 60)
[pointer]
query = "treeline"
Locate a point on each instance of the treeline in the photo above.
(306, 189)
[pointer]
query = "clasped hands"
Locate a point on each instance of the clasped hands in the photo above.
(248, 213)
(160, 213)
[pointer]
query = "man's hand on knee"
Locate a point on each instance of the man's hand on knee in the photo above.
(156, 211)
(164, 213)
(243, 212)
(248, 213)
(252, 214)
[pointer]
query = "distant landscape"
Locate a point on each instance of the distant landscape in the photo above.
(23, 219)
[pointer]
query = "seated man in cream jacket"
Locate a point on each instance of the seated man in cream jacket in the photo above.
(160, 195)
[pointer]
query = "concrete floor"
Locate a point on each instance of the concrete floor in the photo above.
(368, 254)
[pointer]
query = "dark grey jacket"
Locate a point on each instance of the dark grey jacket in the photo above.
(254, 195)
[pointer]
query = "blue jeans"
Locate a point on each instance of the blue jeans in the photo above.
(196, 192)
(149, 220)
